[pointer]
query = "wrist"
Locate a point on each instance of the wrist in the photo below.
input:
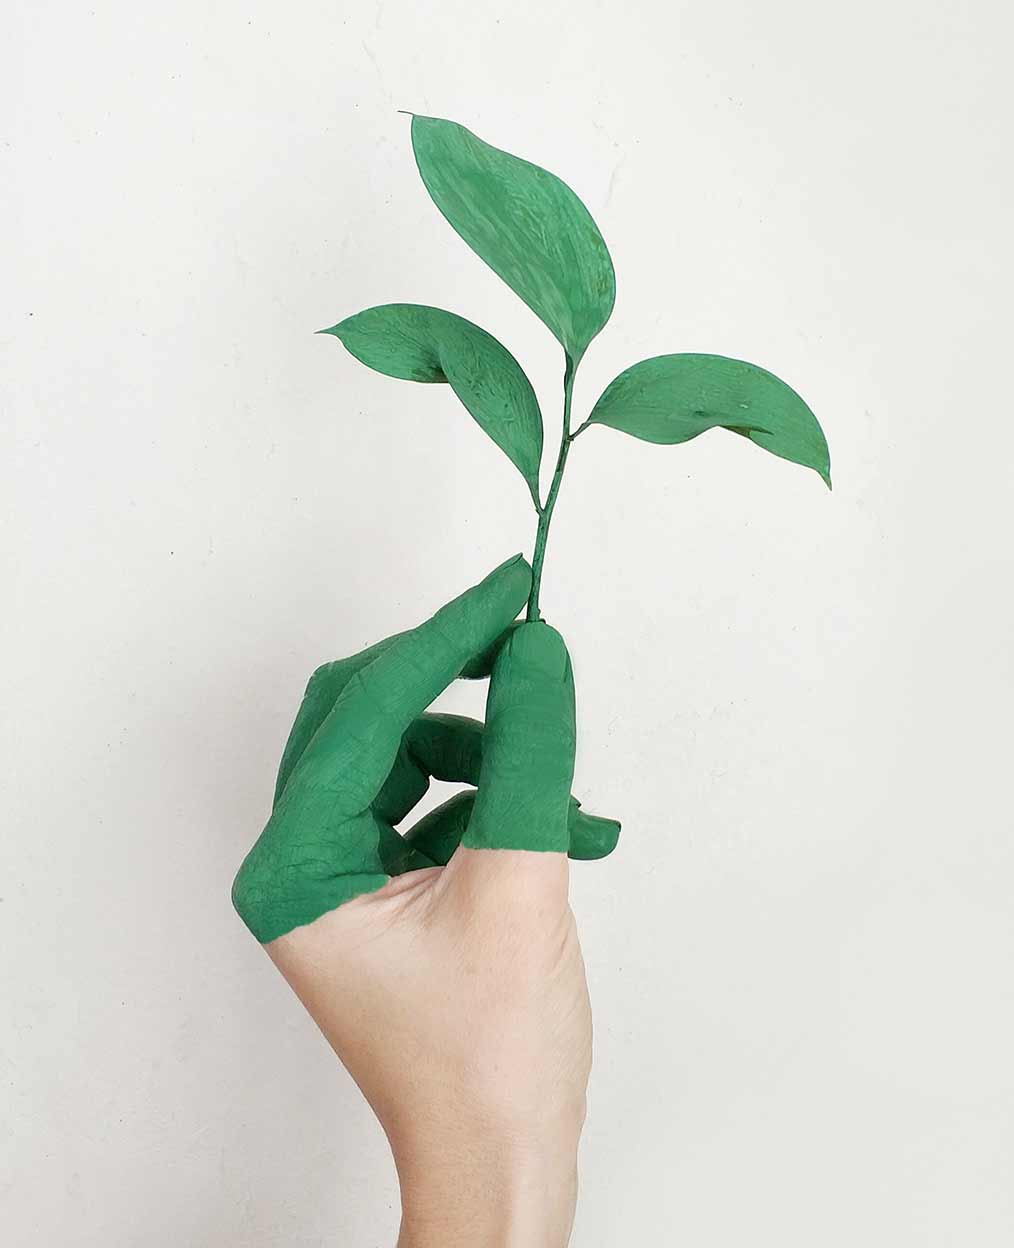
(505, 1193)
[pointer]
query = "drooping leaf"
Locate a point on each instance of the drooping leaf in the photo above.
(419, 343)
(528, 226)
(673, 398)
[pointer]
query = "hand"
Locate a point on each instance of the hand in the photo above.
(454, 994)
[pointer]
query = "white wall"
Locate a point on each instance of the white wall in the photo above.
(798, 702)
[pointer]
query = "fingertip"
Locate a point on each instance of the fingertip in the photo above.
(505, 590)
(481, 664)
(537, 649)
(515, 570)
(509, 562)
(592, 836)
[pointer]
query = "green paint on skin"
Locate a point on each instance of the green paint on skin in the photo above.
(528, 763)
(450, 748)
(361, 752)
(329, 680)
(437, 835)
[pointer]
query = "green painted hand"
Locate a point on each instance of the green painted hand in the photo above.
(362, 751)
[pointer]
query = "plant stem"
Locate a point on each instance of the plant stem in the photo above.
(546, 513)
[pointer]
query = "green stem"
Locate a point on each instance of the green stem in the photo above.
(546, 513)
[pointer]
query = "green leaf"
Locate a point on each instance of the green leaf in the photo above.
(528, 226)
(420, 343)
(673, 398)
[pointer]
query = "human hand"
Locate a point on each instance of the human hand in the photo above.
(454, 994)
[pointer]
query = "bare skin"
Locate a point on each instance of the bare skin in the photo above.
(456, 998)
(454, 994)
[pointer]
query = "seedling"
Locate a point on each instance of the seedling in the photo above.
(537, 235)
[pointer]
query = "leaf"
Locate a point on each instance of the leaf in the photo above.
(420, 343)
(528, 226)
(673, 398)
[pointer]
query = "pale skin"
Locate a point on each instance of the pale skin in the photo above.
(456, 998)
(454, 995)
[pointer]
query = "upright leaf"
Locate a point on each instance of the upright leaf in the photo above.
(673, 398)
(420, 343)
(528, 226)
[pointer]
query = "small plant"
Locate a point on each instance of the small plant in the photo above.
(537, 235)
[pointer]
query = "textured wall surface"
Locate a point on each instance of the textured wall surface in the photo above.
(798, 702)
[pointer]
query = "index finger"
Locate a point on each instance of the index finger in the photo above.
(354, 749)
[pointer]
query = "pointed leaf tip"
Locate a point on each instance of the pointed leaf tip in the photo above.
(673, 398)
(416, 342)
(526, 223)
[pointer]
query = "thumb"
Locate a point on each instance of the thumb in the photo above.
(527, 768)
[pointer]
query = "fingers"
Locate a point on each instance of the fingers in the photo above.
(450, 747)
(397, 855)
(528, 760)
(353, 750)
(328, 681)
(322, 692)
(442, 747)
(437, 834)
(323, 845)
(302, 866)
(482, 664)
(591, 836)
